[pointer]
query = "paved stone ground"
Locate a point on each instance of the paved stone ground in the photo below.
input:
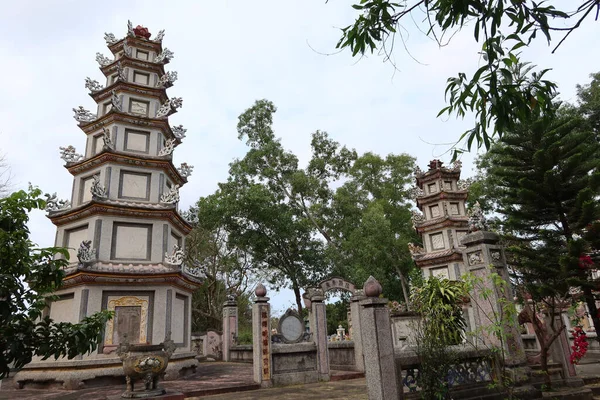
(354, 389)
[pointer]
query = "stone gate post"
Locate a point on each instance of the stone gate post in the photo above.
(380, 365)
(261, 338)
(482, 257)
(356, 330)
(230, 326)
(319, 331)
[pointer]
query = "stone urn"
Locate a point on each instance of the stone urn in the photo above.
(146, 363)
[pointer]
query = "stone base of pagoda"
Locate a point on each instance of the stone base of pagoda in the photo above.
(95, 372)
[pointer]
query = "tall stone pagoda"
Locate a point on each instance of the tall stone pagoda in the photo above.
(440, 196)
(125, 236)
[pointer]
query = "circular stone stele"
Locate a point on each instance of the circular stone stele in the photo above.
(291, 327)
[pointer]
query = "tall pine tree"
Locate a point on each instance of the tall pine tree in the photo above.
(546, 175)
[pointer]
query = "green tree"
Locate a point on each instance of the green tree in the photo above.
(371, 223)
(589, 102)
(337, 314)
(546, 175)
(29, 275)
(228, 273)
(501, 92)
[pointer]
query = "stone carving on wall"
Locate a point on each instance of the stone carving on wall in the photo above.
(169, 106)
(109, 38)
(176, 256)
(170, 145)
(415, 192)
(53, 203)
(130, 31)
(85, 253)
(495, 255)
(475, 258)
(69, 154)
(159, 36)
(108, 143)
(92, 85)
(97, 189)
(195, 271)
(164, 57)
(102, 60)
(121, 73)
(414, 249)
(463, 184)
(172, 196)
(167, 79)
(116, 102)
(83, 115)
(185, 170)
(477, 221)
(417, 217)
(179, 131)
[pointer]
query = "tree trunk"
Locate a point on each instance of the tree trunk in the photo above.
(298, 297)
(404, 290)
(544, 362)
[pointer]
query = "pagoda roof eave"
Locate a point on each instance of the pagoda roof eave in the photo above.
(121, 208)
(106, 155)
(131, 88)
(135, 41)
(438, 257)
(442, 222)
(83, 276)
(436, 174)
(133, 119)
(442, 195)
(126, 61)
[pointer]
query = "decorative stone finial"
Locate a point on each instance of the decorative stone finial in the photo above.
(415, 250)
(92, 85)
(415, 192)
(110, 38)
(372, 287)
(164, 57)
(86, 254)
(83, 115)
(170, 145)
(97, 189)
(167, 79)
(69, 154)
(464, 184)
(172, 196)
(127, 50)
(121, 73)
(159, 36)
(54, 204)
(169, 106)
(418, 171)
(179, 131)
(435, 164)
(102, 60)
(185, 170)
(176, 257)
(260, 291)
(417, 217)
(116, 102)
(108, 143)
(130, 31)
(456, 166)
(477, 221)
(141, 31)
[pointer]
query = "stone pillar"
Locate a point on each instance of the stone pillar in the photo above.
(380, 365)
(560, 350)
(230, 326)
(482, 257)
(356, 330)
(261, 334)
(319, 331)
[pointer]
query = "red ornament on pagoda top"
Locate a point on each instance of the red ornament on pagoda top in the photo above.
(141, 32)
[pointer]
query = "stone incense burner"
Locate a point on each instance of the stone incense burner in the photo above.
(147, 363)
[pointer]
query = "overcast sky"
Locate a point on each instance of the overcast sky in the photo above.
(227, 55)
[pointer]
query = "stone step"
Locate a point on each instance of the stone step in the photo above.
(594, 387)
(569, 394)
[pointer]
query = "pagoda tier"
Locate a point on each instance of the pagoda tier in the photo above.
(442, 220)
(125, 236)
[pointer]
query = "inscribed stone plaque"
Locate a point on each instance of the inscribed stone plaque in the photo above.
(138, 107)
(74, 237)
(137, 141)
(86, 189)
(454, 209)
(435, 211)
(291, 326)
(441, 273)
(437, 241)
(134, 185)
(131, 241)
(432, 187)
(127, 321)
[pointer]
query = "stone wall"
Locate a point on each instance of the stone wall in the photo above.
(341, 355)
(403, 329)
(294, 364)
(241, 353)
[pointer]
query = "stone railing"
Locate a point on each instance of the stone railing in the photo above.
(241, 353)
(475, 367)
